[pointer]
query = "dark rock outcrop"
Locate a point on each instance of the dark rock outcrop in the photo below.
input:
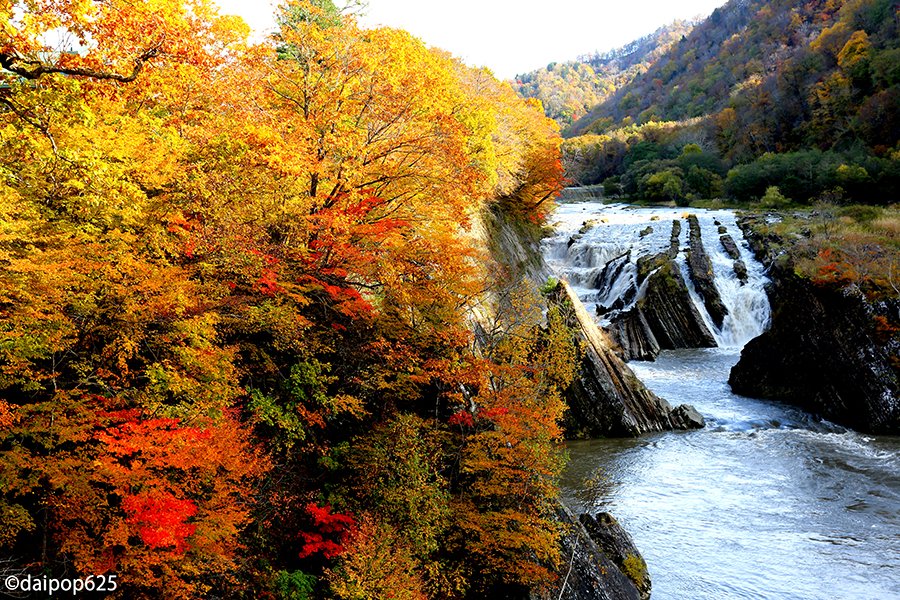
(702, 274)
(607, 399)
(740, 269)
(597, 562)
(619, 546)
(669, 311)
(823, 354)
(823, 351)
(673, 239)
(632, 333)
(731, 249)
(688, 417)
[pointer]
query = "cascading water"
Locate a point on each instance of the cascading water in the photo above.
(597, 247)
(765, 501)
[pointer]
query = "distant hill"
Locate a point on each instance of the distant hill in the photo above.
(568, 90)
(821, 73)
(793, 97)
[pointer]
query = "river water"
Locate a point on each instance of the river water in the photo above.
(765, 502)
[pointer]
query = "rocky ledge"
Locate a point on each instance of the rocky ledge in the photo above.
(823, 351)
(599, 561)
(607, 399)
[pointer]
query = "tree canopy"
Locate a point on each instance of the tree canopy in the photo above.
(235, 289)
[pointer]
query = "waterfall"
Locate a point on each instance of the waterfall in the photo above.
(748, 306)
(597, 247)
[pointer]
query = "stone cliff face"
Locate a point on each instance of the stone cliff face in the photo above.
(599, 559)
(823, 351)
(607, 399)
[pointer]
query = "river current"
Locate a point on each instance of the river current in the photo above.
(765, 502)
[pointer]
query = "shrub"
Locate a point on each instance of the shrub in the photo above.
(773, 198)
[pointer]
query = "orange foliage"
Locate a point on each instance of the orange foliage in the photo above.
(216, 257)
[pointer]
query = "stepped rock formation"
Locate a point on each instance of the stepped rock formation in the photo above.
(702, 275)
(822, 352)
(631, 332)
(599, 562)
(607, 399)
(667, 306)
(665, 318)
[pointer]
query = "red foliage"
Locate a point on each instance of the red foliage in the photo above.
(267, 282)
(463, 418)
(161, 520)
(833, 270)
(493, 413)
(334, 530)
(151, 435)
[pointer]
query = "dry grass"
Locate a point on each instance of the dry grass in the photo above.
(849, 245)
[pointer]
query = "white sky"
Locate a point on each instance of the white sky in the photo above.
(509, 36)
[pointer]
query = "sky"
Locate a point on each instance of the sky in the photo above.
(509, 36)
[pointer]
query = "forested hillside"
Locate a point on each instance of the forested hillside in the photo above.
(802, 96)
(571, 89)
(235, 284)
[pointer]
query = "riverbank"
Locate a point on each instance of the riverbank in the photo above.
(834, 342)
(766, 500)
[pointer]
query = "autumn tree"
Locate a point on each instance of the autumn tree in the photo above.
(235, 283)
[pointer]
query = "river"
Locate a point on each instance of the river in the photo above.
(765, 502)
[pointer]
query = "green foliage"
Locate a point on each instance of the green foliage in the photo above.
(636, 570)
(283, 423)
(293, 585)
(806, 175)
(664, 185)
(862, 214)
(550, 286)
(612, 187)
(308, 382)
(773, 198)
(398, 473)
(323, 13)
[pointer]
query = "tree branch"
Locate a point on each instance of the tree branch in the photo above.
(31, 121)
(32, 69)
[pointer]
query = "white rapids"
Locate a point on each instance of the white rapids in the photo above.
(596, 248)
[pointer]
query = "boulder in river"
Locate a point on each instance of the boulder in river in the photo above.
(731, 249)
